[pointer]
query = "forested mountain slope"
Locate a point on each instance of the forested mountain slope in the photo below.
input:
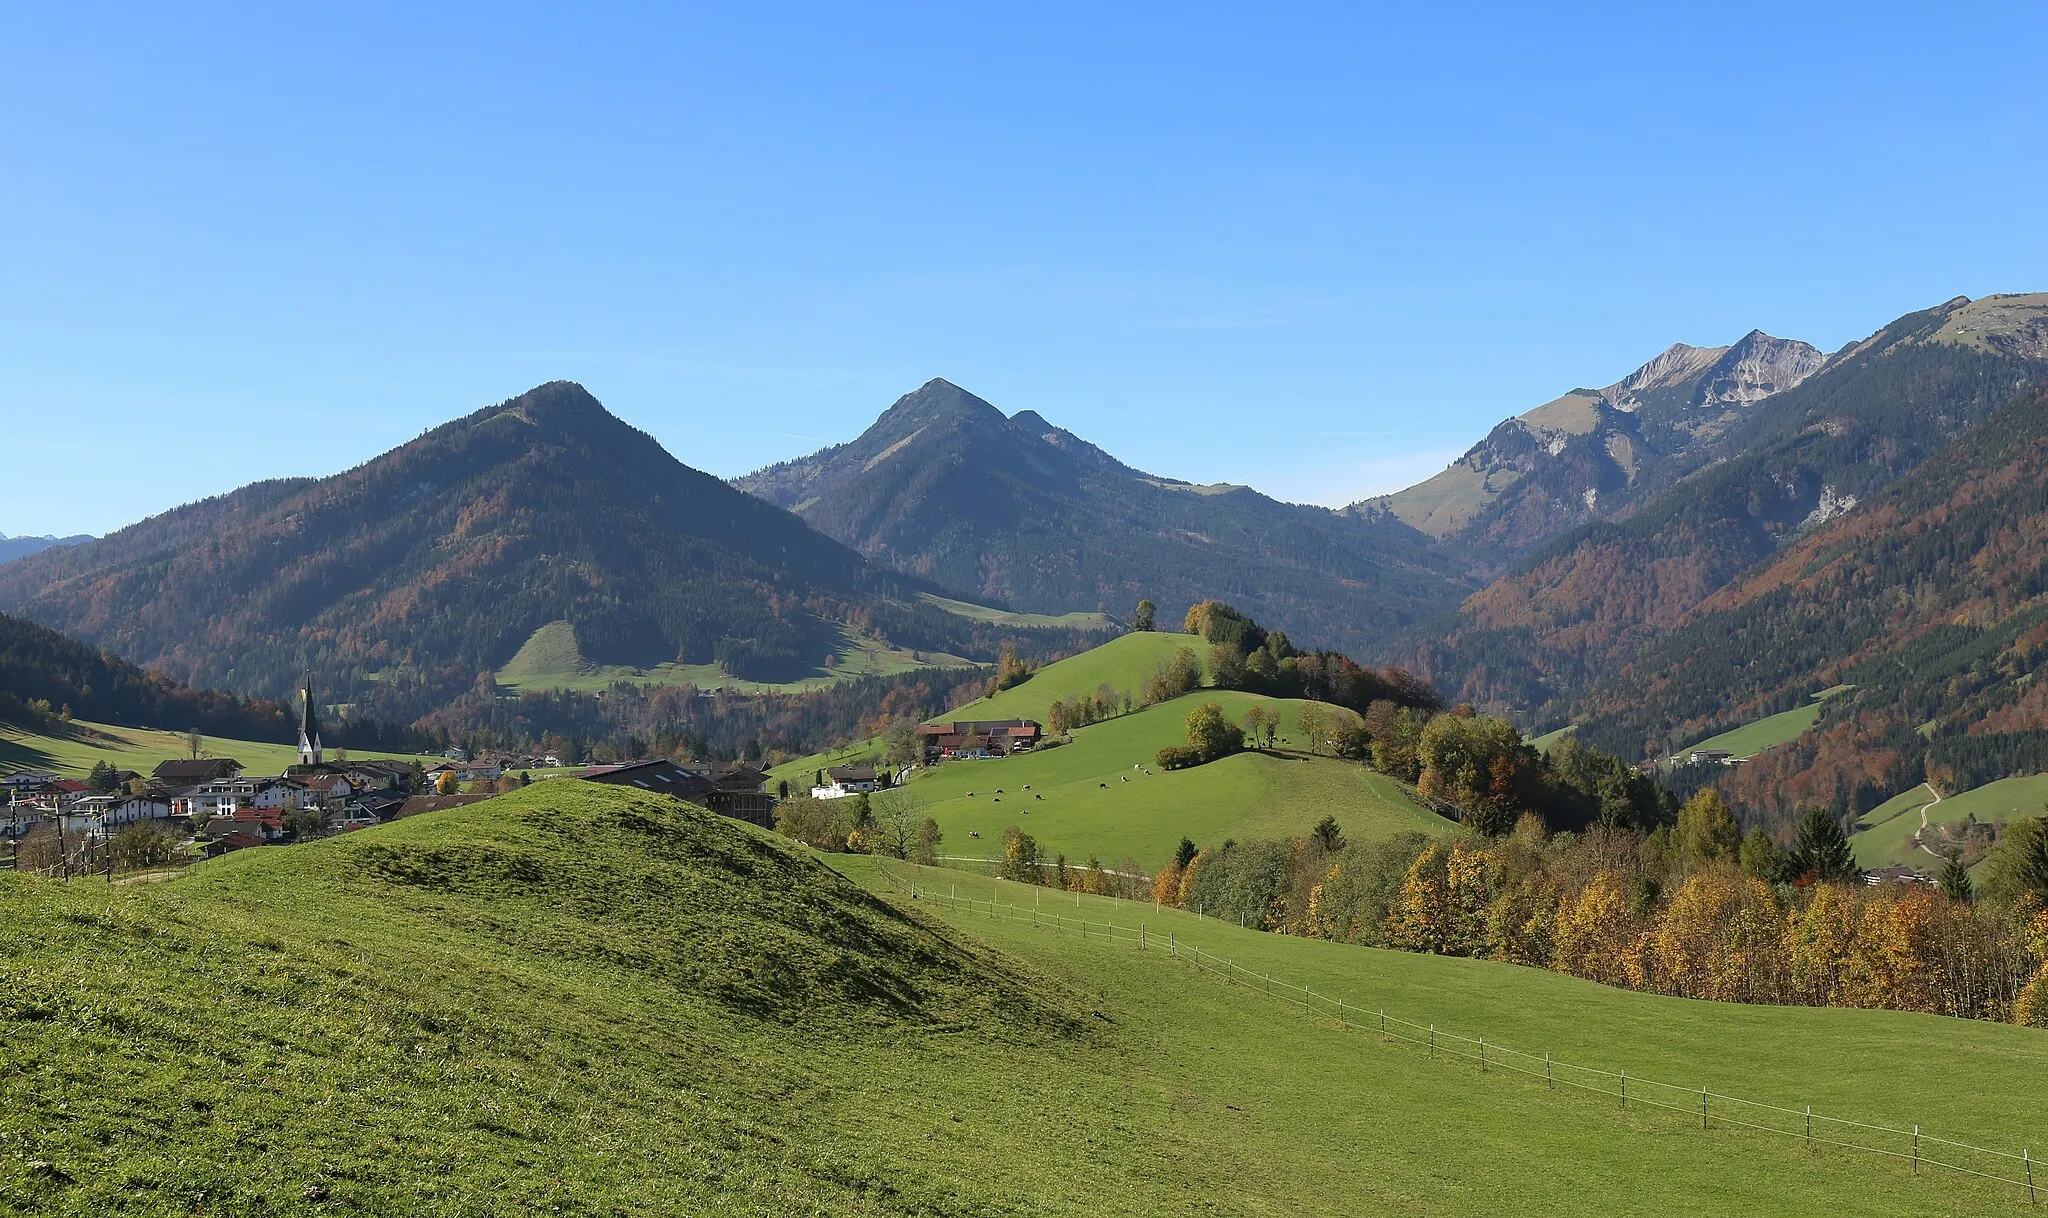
(1593, 452)
(401, 584)
(40, 666)
(944, 485)
(1932, 600)
(1534, 640)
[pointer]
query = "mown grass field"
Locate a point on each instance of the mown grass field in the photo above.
(550, 659)
(139, 749)
(1390, 1130)
(595, 1001)
(1885, 833)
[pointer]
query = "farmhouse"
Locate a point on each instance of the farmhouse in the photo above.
(192, 773)
(1711, 757)
(843, 780)
(742, 793)
(964, 739)
(661, 777)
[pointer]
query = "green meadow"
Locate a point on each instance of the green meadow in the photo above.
(137, 748)
(589, 1000)
(1884, 835)
(551, 659)
(1770, 731)
(1104, 795)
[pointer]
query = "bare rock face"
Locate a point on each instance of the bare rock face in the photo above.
(1592, 452)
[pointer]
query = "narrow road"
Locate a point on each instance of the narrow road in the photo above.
(1923, 822)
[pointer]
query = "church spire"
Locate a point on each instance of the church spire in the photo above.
(309, 727)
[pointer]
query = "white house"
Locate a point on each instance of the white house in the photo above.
(841, 781)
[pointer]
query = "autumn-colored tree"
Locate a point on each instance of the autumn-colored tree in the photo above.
(1314, 721)
(928, 838)
(1820, 940)
(1706, 831)
(1720, 936)
(1475, 763)
(1256, 722)
(1595, 929)
(1020, 857)
(1166, 885)
(1443, 902)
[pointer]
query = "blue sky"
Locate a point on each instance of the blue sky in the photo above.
(1318, 249)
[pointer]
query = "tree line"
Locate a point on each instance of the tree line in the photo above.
(1695, 909)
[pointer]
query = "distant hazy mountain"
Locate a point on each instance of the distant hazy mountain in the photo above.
(1593, 452)
(945, 486)
(1533, 640)
(12, 548)
(401, 583)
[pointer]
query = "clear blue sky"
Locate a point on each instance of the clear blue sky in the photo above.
(1319, 249)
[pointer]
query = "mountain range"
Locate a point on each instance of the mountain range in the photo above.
(1534, 640)
(12, 548)
(404, 583)
(1612, 558)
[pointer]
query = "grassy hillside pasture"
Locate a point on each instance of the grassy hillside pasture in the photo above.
(138, 749)
(550, 659)
(1123, 662)
(1095, 796)
(1885, 834)
(1770, 731)
(1028, 621)
(1327, 1119)
(589, 1000)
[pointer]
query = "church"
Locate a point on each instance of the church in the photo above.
(309, 729)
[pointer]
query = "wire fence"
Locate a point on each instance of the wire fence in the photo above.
(1916, 1146)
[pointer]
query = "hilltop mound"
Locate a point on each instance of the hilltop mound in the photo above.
(572, 995)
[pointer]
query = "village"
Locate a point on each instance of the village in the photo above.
(199, 807)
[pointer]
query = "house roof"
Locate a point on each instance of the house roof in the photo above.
(851, 773)
(663, 777)
(196, 771)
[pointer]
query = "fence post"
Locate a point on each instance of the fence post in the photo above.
(1916, 1150)
(1547, 1082)
(1141, 936)
(1171, 950)
(1383, 1023)
(1432, 1040)
(1482, 1055)
(1809, 1126)
(1624, 1088)
(2028, 1159)
(1703, 1108)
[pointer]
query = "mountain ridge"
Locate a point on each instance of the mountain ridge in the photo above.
(1016, 509)
(404, 582)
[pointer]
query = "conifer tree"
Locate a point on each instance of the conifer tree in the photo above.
(1820, 850)
(1955, 880)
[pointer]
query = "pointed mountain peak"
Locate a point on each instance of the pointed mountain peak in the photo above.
(1032, 421)
(938, 400)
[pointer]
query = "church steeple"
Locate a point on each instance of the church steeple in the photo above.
(309, 728)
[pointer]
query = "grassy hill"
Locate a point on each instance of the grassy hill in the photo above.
(551, 659)
(595, 1001)
(1104, 795)
(1331, 1120)
(139, 749)
(1770, 731)
(1884, 834)
(1087, 798)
